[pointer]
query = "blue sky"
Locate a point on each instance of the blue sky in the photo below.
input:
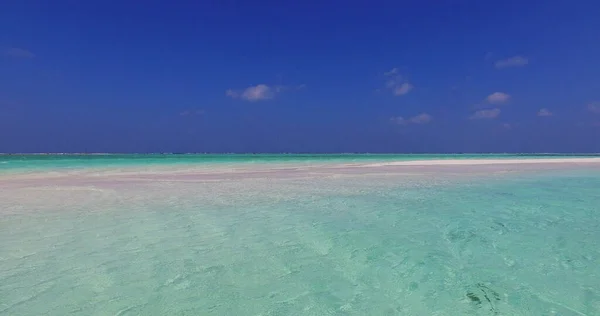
(312, 76)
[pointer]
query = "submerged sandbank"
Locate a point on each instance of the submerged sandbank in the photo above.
(193, 172)
(471, 162)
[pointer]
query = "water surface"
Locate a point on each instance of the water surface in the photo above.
(496, 243)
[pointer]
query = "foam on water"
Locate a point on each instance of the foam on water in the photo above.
(304, 243)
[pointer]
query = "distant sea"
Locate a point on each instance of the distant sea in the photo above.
(488, 242)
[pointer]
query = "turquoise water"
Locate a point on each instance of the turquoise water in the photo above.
(74, 161)
(495, 244)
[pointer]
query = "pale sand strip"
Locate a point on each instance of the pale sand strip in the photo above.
(215, 173)
(473, 162)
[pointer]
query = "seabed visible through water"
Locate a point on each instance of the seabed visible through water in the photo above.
(302, 239)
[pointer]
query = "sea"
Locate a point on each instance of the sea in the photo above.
(297, 235)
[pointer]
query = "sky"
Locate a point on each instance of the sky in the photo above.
(428, 76)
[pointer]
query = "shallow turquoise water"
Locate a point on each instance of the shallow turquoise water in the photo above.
(75, 161)
(513, 244)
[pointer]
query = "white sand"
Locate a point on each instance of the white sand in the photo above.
(193, 172)
(472, 162)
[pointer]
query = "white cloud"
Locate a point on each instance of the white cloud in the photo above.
(485, 114)
(422, 118)
(403, 89)
(398, 120)
(18, 53)
(392, 72)
(493, 100)
(544, 112)
(497, 98)
(594, 107)
(516, 61)
(396, 83)
(260, 92)
(254, 93)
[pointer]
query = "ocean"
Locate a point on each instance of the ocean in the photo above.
(297, 235)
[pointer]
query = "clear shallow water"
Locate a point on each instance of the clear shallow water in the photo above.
(20, 163)
(500, 244)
